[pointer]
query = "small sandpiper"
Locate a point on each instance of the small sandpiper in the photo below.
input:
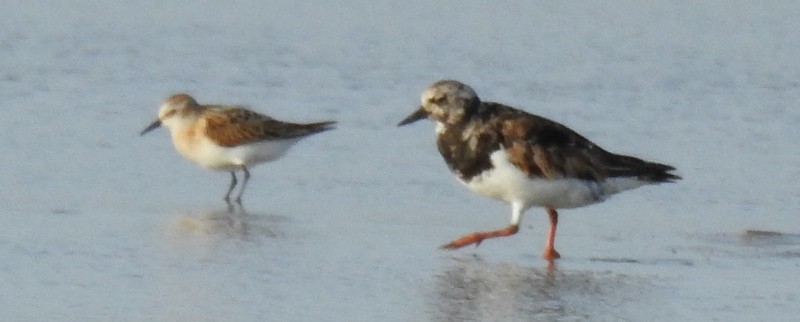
(228, 138)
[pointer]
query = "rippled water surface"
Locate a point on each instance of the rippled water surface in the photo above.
(100, 224)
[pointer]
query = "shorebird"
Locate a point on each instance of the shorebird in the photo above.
(524, 159)
(228, 138)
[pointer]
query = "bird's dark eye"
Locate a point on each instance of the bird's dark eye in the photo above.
(170, 113)
(438, 100)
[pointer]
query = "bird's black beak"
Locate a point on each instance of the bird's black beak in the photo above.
(416, 116)
(151, 127)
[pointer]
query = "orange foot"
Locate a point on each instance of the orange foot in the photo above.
(477, 237)
(473, 238)
(550, 254)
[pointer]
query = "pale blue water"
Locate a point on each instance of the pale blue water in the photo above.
(100, 224)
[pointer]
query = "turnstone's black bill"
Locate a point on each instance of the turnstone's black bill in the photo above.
(228, 138)
(523, 159)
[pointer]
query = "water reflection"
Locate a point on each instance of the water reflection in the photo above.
(471, 289)
(749, 243)
(232, 221)
(760, 238)
(771, 243)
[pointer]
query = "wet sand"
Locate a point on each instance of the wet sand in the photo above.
(100, 224)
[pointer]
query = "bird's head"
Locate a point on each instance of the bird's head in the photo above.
(447, 102)
(173, 112)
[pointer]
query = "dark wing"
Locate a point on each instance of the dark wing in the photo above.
(544, 148)
(235, 126)
(618, 165)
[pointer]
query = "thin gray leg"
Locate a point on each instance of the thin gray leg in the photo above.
(230, 189)
(244, 184)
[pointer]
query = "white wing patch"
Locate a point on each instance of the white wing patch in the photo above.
(506, 182)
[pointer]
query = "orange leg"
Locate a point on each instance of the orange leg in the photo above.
(478, 237)
(550, 252)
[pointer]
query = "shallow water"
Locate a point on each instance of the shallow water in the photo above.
(101, 224)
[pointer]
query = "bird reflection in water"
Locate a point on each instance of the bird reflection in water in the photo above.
(471, 289)
(232, 221)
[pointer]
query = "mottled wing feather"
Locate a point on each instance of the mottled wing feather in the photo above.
(468, 155)
(626, 166)
(544, 148)
(232, 126)
(538, 147)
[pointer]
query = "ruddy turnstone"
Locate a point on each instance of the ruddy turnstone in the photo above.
(523, 159)
(228, 138)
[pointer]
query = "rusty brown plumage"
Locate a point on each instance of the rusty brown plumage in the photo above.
(232, 126)
(550, 165)
(537, 146)
(229, 129)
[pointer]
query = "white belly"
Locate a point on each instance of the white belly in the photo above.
(506, 182)
(209, 155)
